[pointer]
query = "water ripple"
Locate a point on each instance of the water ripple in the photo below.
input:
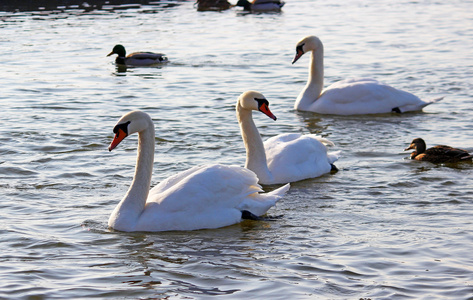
(382, 227)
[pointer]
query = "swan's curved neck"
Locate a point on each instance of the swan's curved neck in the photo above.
(255, 153)
(131, 206)
(315, 82)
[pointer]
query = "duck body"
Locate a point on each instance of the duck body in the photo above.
(137, 58)
(261, 5)
(282, 158)
(212, 5)
(202, 197)
(437, 154)
(350, 96)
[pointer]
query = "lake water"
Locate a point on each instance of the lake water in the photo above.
(383, 227)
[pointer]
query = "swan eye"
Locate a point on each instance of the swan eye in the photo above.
(122, 126)
(299, 48)
(263, 106)
(261, 102)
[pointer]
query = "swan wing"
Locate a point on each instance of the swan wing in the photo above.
(173, 181)
(292, 157)
(204, 183)
(365, 96)
(204, 197)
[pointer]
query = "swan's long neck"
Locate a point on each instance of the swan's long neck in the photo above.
(255, 154)
(315, 82)
(129, 209)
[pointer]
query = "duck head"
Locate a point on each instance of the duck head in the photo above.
(244, 3)
(118, 49)
(418, 145)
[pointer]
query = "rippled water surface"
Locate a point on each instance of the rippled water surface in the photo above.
(383, 227)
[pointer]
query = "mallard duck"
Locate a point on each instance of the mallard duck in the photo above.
(437, 154)
(261, 5)
(349, 96)
(137, 58)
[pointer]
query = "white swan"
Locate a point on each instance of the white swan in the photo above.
(351, 96)
(282, 158)
(202, 197)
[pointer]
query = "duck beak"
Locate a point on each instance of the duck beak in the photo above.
(119, 136)
(411, 146)
(111, 53)
(265, 110)
(299, 53)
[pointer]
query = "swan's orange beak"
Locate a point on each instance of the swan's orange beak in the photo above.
(265, 110)
(299, 53)
(119, 136)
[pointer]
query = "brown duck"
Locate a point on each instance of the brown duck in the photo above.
(437, 154)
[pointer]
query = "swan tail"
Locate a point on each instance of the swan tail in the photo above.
(252, 189)
(279, 192)
(435, 100)
(324, 141)
(333, 156)
(260, 204)
(416, 106)
(428, 102)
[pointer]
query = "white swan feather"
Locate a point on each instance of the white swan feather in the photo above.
(283, 158)
(350, 96)
(210, 196)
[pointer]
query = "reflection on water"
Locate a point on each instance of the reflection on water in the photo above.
(122, 70)
(59, 6)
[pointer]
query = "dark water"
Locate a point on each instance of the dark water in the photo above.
(383, 227)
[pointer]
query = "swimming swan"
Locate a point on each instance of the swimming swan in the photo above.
(285, 157)
(209, 196)
(137, 58)
(350, 96)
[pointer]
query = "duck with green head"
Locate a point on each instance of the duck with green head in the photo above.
(137, 58)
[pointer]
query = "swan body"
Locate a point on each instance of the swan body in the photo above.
(209, 196)
(261, 5)
(350, 96)
(282, 158)
(437, 154)
(137, 58)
